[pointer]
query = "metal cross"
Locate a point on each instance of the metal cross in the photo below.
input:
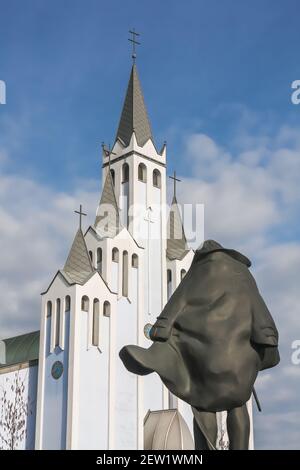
(80, 215)
(108, 153)
(134, 42)
(174, 180)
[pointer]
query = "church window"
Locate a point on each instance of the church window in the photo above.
(85, 303)
(99, 260)
(169, 283)
(49, 308)
(125, 173)
(106, 309)
(57, 322)
(156, 178)
(95, 338)
(135, 261)
(182, 274)
(142, 172)
(115, 255)
(125, 274)
(91, 256)
(67, 303)
(112, 174)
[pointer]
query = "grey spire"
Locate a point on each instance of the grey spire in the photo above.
(134, 115)
(107, 223)
(176, 242)
(78, 267)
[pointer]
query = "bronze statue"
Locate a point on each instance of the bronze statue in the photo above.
(210, 341)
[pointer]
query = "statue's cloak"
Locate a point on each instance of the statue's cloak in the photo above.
(213, 336)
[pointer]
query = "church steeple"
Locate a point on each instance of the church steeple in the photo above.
(134, 117)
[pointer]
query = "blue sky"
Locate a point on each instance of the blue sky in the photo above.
(217, 81)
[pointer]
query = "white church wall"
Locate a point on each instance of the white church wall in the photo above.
(125, 393)
(55, 391)
(21, 374)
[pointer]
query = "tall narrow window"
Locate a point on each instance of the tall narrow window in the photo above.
(125, 274)
(156, 178)
(57, 322)
(135, 261)
(182, 274)
(96, 312)
(99, 260)
(49, 308)
(125, 173)
(67, 303)
(91, 256)
(115, 255)
(85, 303)
(142, 172)
(169, 283)
(106, 309)
(112, 174)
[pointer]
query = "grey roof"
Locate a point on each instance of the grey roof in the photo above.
(78, 268)
(134, 115)
(107, 222)
(176, 243)
(20, 349)
(166, 430)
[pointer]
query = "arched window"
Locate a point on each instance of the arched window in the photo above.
(156, 178)
(125, 173)
(125, 274)
(57, 322)
(142, 172)
(99, 260)
(135, 261)
(85, 303)
(96, 312)
(115, 255)
(112, 174)
(169, 283)
(106, 309)
(49, 309)
(182, 274)
(91, 256)
(67, 303)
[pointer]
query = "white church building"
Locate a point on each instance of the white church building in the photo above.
(73, 390)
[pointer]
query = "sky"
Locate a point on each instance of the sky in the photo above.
(216, 77)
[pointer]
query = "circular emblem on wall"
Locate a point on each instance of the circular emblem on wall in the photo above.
(57, 370)
(147, 329)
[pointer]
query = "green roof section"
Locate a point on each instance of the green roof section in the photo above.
(20, 349)
(177, 246)
(107, 223)
(134, 117)
(78, 268)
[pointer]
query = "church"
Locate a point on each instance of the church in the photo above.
(71, 387)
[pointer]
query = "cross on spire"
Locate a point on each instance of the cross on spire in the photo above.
(108, 153)
(134, 42)
(80, 215)
(174, 182)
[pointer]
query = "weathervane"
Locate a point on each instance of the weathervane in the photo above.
(174, 181)
(134, 42)
(80, 215)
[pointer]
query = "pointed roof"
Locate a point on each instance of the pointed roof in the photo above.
(78, 267)
(176, 243)
(107, 222)
(134, 117)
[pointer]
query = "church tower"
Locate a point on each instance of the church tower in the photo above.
(116, 280)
